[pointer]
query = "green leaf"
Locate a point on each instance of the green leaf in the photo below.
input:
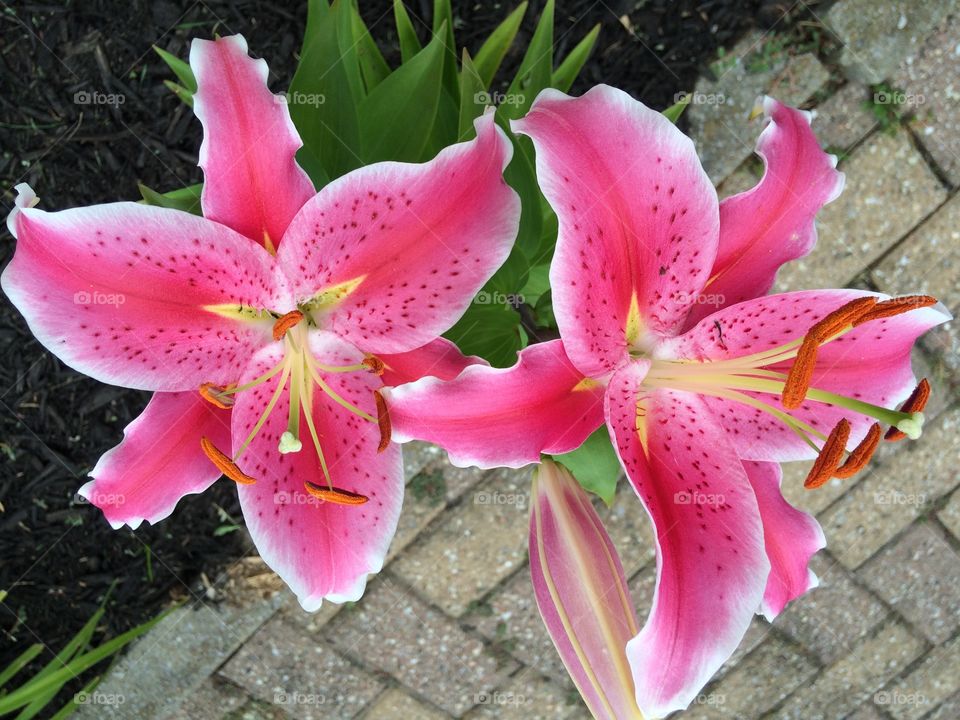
(37, 687)
(181, 92)
(595, 465)
(397, 117)
(536, 68)
(323, 94)
(491, 331)
(409, 42)
(674, 112)
(522, 177)
(71, 706)
(373, 67)
(472, 92)
(443, 28)
(21, 661)
(538, 282)
(573, 63)
(495, 47)
(180, 68)
(186, 199)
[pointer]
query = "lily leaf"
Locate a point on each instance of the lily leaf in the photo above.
(472, 92)
(573, 63)
(323, 94)
(186, 97)
(373, 67)
(409, 42)
(674, 112)
(491, 331)
(595, 465)
(181, 69)
(397, 117)
(495, 47)
(186, 199)
(536, 68)
(443, 28)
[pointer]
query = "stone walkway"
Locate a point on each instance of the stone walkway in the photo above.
(450, 629)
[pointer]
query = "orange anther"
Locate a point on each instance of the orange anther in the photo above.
(801, 372)
(896, 306)
(286, 322)
(383, 420)
(335, 495)
(915, 403)
(213, 394)
(829, 458)
(861, 454)
(375, 364)
(224, 464)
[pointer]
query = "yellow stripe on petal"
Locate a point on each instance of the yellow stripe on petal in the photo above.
(634, 321)
(330, 296)
(240, 312)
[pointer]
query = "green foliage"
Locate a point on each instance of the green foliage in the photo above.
(186, 199)
(35, 694)
(887, 106)
(595, 465)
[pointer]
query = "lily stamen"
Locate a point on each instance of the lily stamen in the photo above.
(374, 364)
(285, 322)
(828, 460)
(861, 454)
(383, 421)
(224, 464)
(214, 394)
(334, 495)
(913, 404)
(896, 306)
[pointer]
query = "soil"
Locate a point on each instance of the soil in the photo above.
(58, 556)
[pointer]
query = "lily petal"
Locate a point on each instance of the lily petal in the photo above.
(582, 593)
(159, 460)
(790, 537)
(638, 220)
(321, 550)
(492, 417)
(251, 181)
(440, 359)
(772, 223)
(129, 294)
(711, 564)
(391, 254)
(870, 363)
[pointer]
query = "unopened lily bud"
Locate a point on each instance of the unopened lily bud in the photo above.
(582, 593)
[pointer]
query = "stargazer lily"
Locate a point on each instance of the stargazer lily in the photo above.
(703, 383)
(265, 326)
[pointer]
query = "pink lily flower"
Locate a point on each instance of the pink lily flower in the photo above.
(702, 381)
(264, 326)
(582, 593)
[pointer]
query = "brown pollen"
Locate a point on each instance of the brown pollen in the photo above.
(861, 454)
(829, 458)
(383, 420)
(224, 464)
(335, 495)
(915, 403)
(284, 323)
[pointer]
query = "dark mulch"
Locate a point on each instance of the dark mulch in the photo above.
(58, 556)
